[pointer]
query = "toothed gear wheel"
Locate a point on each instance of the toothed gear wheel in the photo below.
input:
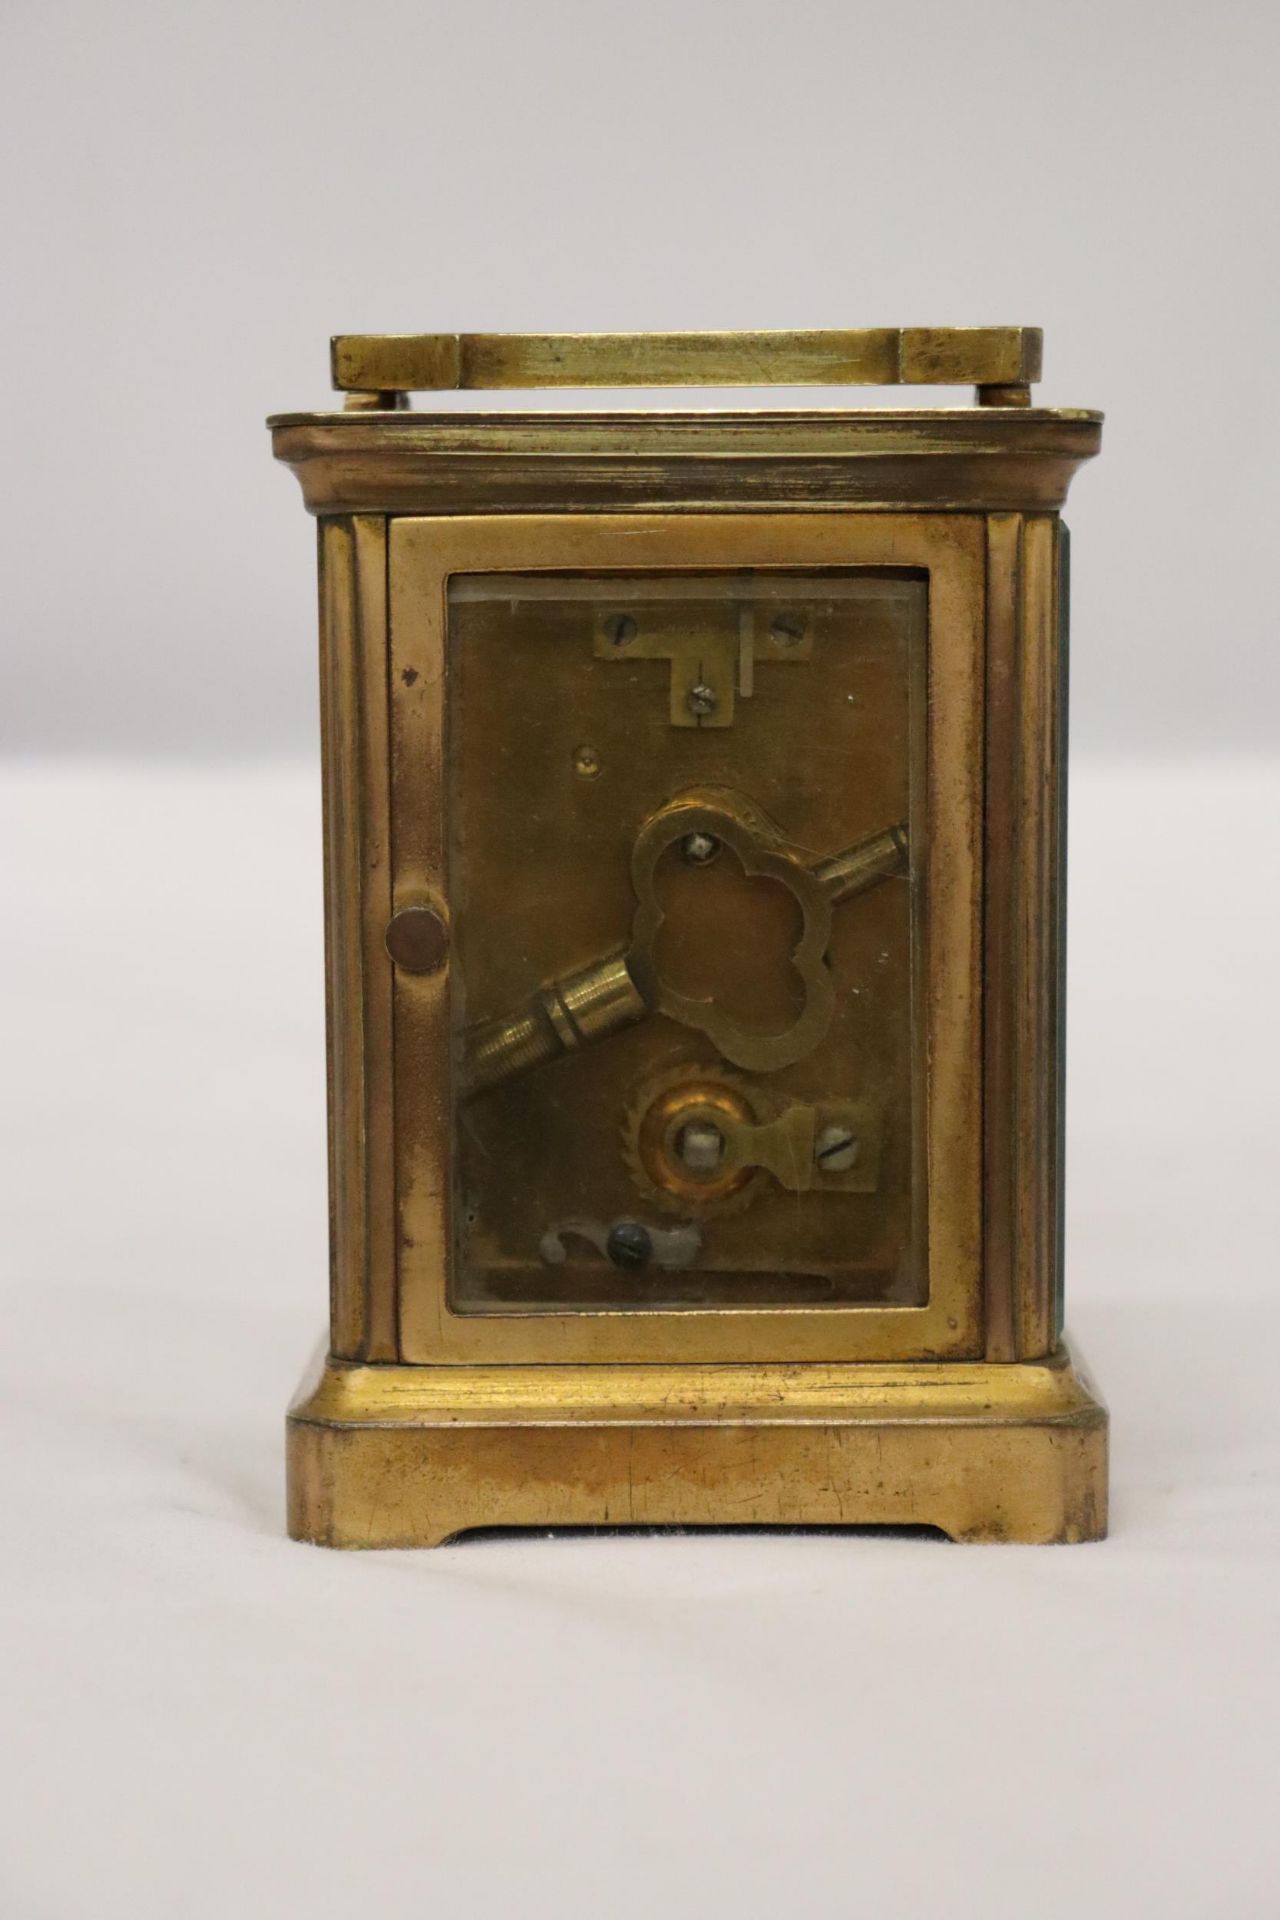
(665, 1103)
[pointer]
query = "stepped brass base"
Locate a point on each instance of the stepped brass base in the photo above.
(396, 1456)
(411, 1456)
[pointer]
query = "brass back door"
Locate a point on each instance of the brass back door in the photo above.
(698, 798)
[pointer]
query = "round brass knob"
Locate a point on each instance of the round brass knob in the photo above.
(418, 939)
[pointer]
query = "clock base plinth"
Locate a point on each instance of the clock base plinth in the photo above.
(407, 1456)
(411, 1456)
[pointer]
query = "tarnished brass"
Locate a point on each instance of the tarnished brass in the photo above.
(500, 614)
(418, 939)
(693, 867)
(745, 1138)
(735, 823)
(860, 357)
(663, 1110)
(410, 1456)
(712, 658)
(847, 874)
(608, 995)
(597, 1000)
(387, 401)
(955, 460)
(1014, 393)
(788, 1147)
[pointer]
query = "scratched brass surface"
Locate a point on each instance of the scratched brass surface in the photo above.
(410, 1456)
(820, 724)
(529, 923)
(356, 798)
(935, 1396)
(1024, 933)
(862, 356)
(959, 459)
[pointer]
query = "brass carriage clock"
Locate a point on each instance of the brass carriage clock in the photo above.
(693, 835)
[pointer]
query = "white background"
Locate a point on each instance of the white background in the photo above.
(200, 194)
(204, 1720)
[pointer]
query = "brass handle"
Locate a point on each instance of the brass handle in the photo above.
(1000, 361)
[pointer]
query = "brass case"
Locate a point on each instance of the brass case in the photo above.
(956, 1406)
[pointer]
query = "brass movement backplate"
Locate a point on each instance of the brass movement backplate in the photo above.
(760, 924)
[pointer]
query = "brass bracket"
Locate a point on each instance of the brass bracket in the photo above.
(710, 662)
(789, 1148)
(824, 1146)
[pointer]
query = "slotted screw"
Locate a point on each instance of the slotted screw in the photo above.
(836, 1148)
(620, 629)
(628, 1244)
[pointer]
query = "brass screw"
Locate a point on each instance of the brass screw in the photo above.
(699, 849)
(701, 699)
(586, 761)
(836, 1148)
(620, 629)
(628, 1244)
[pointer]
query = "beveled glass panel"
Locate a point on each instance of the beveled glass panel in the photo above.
(686, 871)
